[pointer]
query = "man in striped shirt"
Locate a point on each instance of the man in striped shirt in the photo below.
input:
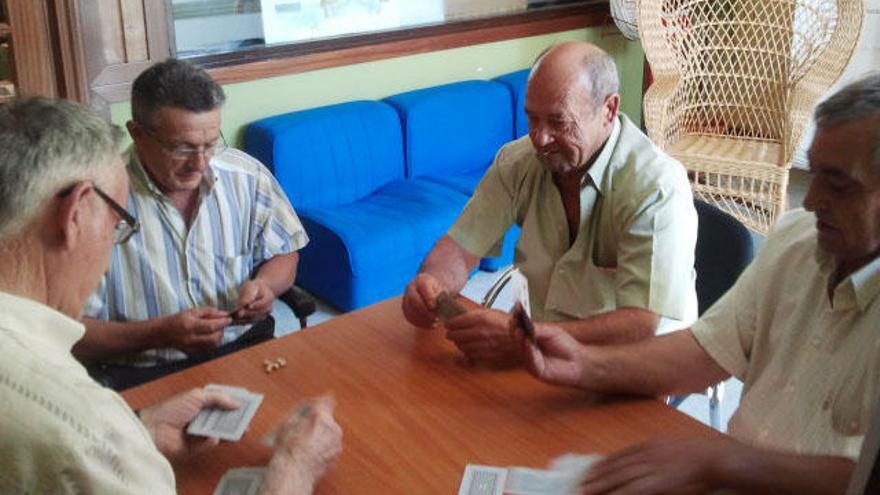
(218, 242)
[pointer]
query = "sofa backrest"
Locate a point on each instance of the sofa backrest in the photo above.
(516, 83)
(330, 155)
(454, 128)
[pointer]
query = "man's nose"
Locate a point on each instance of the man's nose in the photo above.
(815, 198)
(540, 137)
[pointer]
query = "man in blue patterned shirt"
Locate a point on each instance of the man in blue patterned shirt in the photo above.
(218, 242)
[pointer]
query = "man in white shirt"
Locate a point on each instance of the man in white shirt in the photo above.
(799, 328)
(62, 183)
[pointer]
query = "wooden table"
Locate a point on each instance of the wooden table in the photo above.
(412, 411)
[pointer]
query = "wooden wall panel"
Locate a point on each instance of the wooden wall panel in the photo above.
(31, 48)
(134, 30)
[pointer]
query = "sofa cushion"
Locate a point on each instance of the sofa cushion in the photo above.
(366, 251)
(454, 129)
(516, 83)
(330, 155)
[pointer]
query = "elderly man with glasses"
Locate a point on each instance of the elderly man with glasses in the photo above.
(218, 244)
(60, 432)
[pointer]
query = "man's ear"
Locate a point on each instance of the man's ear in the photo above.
(72, 215)
(134, 130)
(611, 106)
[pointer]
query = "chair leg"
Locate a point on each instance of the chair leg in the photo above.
(716, 395)
(302, 322)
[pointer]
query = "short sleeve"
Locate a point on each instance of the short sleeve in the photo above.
(279, 230)
(655, 256)
(487, 215)
(727, 330)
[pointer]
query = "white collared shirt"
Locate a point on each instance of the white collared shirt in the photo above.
(61, 431)
(810, 365)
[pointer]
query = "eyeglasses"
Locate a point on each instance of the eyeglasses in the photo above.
(184, 152)
(127, 225)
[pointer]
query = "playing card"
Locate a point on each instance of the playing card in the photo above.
(482, 480)
(519, 287)
(241, 481)
(448, 307)
(523, 321)
(223, 424)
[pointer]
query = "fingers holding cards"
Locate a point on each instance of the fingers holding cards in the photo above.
(227, 424)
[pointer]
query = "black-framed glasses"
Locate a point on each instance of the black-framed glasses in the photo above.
(127, 225)
(184, 152)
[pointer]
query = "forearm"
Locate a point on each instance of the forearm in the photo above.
(449, 264)
(763, 472)
(279, 272)
(620, 326)
(671, 364)
(286, 476)
(106, 339)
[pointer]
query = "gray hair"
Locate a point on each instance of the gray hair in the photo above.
(47, 145)
(599, 70)
(856, 101)
(173, 83)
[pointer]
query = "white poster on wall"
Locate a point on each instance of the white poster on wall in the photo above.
(865, 59)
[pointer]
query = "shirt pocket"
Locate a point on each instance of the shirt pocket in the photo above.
(588, 292)
(222, 270)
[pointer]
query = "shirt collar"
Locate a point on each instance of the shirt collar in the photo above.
(597, 170)
(39, 325)
(140, 178)
(859, 288)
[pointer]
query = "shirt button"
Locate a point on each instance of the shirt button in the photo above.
(763, 435)
(853, 427)
(789, 388)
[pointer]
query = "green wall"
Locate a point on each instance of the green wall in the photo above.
(252, 100)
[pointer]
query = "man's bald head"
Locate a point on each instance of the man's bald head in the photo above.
(572, 105)
(578, 65)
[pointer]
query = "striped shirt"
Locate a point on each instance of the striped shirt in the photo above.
(242, 220)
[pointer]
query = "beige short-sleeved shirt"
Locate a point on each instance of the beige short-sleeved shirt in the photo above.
(810, 364)
(635, 245)
(62, 432)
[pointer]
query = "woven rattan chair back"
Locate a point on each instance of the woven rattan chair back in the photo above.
(735, 82)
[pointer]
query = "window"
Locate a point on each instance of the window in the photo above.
(249, 28)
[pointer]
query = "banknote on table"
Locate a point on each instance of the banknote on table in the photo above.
(482, 480)
(227, 424)
(241, 481)
(448, 307)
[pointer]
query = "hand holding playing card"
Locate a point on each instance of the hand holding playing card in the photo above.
(167, 420)
(307, 445)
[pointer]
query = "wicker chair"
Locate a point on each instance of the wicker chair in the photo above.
(735, 82)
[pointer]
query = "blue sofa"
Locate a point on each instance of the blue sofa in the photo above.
(376, 183)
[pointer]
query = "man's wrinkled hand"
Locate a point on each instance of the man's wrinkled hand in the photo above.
(483, 336)
(254, 302)
(307, 445)
(680, 466)
(554, 357)
(167, 421)
(420, 300)
(195, 331)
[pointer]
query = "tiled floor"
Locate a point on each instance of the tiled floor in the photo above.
(696, 405)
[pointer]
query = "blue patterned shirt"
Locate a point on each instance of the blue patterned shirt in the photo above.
(242, 220)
